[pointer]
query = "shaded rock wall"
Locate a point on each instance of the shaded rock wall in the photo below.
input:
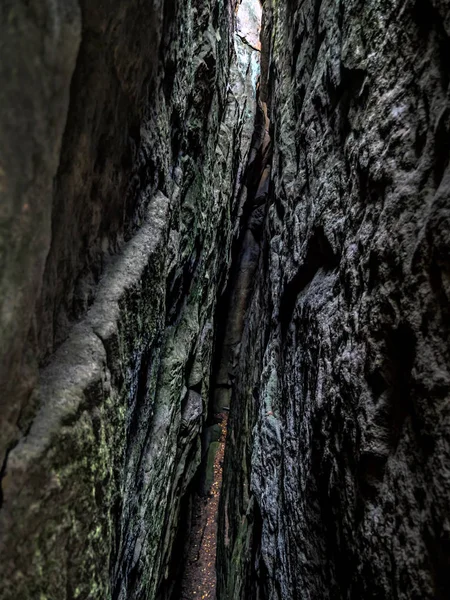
(126, 133)
(246, 246)
(336, 475)
(132, 171)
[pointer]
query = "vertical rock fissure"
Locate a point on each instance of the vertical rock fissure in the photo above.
(197, 536)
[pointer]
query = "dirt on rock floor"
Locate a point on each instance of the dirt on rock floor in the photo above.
(199, 578)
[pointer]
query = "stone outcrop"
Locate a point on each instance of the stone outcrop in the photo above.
(125, 130)
(252, 195)
(194, 219)
(336, 475)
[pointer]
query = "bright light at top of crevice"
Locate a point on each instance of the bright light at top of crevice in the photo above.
(248, 23)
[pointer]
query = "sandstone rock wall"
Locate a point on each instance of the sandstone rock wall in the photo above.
(127, 125)
(336, 477)
(140, 156)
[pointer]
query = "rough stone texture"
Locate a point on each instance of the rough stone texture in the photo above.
(128, 185)
(38, 47)
(248, 22)
(246, 246)
(134, 168)
(336, 480)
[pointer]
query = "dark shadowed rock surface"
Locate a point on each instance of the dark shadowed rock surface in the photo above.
(191, 220)
(336, 478)
(125, 127)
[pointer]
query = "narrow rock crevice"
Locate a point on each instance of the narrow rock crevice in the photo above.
(198, 542)
(224, 300)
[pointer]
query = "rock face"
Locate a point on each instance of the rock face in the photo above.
(180, 233)
(252, 196)
(336, 476)
(125, 128)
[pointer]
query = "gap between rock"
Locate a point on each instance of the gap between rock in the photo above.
(199, 578)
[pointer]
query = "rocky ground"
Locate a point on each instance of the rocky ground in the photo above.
(199, 577)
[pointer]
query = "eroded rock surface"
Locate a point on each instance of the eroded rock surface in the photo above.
(139, 129)
(193, 218)
(336, 477)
